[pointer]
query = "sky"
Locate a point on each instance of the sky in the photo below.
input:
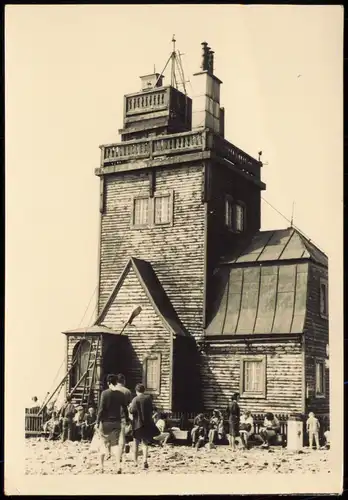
(67, 69)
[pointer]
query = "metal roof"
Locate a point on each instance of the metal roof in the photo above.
(277, 245)
(262, 299)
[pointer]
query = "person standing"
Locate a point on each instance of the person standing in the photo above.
(108, 422)
(121, 386)
(233, 412)
(144, 428)
(67, 413)
(313, 427)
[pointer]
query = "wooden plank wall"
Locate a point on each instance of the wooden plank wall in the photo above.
(176, 252)
(316, 338)
(221, 376)
(146, 335)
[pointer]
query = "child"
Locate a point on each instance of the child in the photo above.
(313, 427)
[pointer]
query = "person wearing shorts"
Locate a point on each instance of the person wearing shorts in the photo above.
(108, 422)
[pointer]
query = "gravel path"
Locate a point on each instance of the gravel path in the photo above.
(48, 457)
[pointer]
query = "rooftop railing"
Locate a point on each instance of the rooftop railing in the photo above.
(173, 144)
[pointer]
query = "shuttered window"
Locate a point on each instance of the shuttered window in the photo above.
(152, 373)
(162, 209)
(319, 378)
(253, 376)
(323, 299)
(141, 212)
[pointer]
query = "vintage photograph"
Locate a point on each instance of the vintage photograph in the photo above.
(172, 228)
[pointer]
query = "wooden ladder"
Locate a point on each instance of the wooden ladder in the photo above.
(90, 372)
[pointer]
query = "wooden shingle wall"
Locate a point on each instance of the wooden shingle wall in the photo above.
(146, 335)
(316, 339)
(176, 252)
(221, 366)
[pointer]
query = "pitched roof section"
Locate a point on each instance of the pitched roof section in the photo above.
(259, 300)
(277, 245)
(155, 293)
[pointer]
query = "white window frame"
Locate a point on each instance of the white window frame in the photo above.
(167, 194)
(230, 214)
(153, 356)
(324, 312)
(151, 210)
(240, 205)
(251, 359)
(133, 222)
(319, 362)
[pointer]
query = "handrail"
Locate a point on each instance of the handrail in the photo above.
(195, 140)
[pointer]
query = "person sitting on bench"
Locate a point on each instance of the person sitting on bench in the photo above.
(216, 427)
(160, 420)
(270, 429)
(246, 427)
(199, 433)
(52, 426)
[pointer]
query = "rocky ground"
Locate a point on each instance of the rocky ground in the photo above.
(49, 457)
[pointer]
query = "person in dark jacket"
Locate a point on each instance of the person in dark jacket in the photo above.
(233, 413)
(67, 414)
(144, 428)
(108, 422)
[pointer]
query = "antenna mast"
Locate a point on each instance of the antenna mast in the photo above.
(176, 68)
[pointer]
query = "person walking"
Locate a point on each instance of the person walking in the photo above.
(108, 422)
(121, 386)
(233, 412)
(144, 428)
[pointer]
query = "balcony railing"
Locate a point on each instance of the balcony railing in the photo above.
(152, 101)
(148, 148)
(173, 144)
(236, 156)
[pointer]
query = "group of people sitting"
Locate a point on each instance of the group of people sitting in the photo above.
(240, 426)
(70, 422)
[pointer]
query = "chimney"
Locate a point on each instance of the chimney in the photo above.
(206, 100)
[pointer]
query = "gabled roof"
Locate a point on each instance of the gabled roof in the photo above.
(277, 245)
(92, 329)
(155, 293)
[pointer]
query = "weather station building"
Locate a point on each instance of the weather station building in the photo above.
(194, 299)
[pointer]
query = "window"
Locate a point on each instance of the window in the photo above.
(152, 373)
(239, 218)
(162, 209)
(229, 212)
(253, 377)
(234, 215)
(153, 211)
(323, 299)
(141, 212)
(320, 379)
